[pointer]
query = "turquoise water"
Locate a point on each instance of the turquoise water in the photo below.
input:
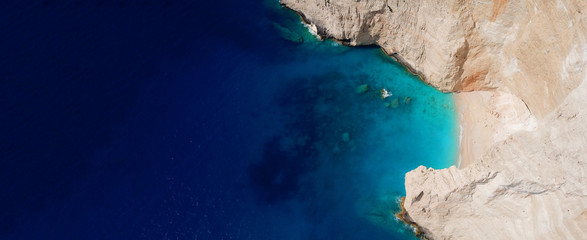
(361, 145)
(204, 120)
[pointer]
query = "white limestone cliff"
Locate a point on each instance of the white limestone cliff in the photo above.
(523, 66)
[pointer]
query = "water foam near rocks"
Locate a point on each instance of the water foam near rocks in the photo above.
(343, 151)
(205, 120)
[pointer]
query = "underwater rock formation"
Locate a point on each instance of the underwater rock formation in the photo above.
(524, 150)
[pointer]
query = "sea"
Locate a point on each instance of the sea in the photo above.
(204, 120)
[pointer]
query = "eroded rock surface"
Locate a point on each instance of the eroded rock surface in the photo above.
(529, 181)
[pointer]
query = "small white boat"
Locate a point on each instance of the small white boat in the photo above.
(385, 93)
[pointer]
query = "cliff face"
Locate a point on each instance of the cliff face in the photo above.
(523, 47)
(530, 59)
(530, 186)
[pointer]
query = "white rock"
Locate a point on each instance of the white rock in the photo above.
(530, 179)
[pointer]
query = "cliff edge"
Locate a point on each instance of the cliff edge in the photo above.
(519, 69)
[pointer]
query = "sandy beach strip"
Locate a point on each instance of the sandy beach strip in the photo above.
(476, 125)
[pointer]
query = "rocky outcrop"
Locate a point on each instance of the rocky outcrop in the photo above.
(523, 47)
(530, 186)
(528, 181)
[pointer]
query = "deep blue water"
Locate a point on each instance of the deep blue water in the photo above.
(199, 120)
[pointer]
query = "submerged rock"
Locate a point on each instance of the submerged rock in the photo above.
(346, 137)
(288, 34)
(363, 88)
(395, 103)
(407, 100)
(530, 186)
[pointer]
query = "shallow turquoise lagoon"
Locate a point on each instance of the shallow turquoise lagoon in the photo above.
(205, 120)
(337, 148)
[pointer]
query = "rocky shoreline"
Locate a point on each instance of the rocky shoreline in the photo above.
(405, 217)
(519, 71)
